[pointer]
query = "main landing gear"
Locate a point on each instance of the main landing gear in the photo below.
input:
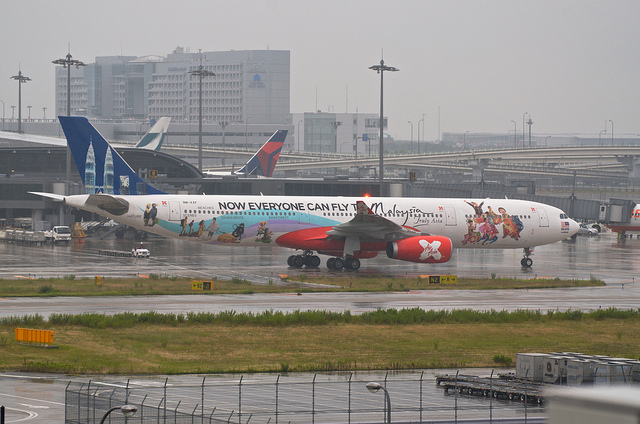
(306, 259)
(309, 260)
(526, 262)
(350, 263)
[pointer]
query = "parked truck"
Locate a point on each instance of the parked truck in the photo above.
(58, 234)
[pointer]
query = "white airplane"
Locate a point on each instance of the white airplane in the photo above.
(345, 228)
(154, 138)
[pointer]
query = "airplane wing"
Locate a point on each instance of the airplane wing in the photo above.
(368, 226)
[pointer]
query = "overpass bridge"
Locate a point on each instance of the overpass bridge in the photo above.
(611, 161)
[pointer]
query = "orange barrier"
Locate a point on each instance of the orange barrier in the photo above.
(34, 337)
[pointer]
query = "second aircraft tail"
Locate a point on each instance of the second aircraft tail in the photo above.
(264, 161)
(154, 138)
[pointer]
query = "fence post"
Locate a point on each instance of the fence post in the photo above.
(202, 400)
(240, 400)
(277, 380)
(491, 397)
(313, 399)
(455, 407)
(166, 380)
(349, 405)
(421, 380)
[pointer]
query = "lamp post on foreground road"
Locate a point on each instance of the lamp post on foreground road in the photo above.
(127, 410)
(373, 388)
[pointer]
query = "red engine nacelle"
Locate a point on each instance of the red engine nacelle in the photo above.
(423, 249)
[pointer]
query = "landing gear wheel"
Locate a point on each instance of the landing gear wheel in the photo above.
(526, 262)
(312, 261)
(352, 264)
(298, 261)
(290, 260)
(338, 263)
(331, 263)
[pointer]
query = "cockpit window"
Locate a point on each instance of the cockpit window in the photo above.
(563, 216)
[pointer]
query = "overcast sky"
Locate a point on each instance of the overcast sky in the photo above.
(573, 65)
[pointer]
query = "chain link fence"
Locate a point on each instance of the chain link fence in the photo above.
(285, 399)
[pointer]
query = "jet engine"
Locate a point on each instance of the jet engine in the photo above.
(423, 249)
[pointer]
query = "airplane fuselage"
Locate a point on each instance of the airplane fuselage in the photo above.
(259, 220)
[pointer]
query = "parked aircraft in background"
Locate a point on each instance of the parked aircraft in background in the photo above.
(345, 228)
(264, 161)
(632, 226)
(154, 138)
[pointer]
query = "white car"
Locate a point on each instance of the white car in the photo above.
(140, 253)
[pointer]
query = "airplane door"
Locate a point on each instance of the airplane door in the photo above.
(542, 218)
(174, 211)
(450, 215)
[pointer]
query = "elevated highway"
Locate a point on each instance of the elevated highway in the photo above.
(619, 162)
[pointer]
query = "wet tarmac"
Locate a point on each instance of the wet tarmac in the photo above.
(604, 257)
(40, 398)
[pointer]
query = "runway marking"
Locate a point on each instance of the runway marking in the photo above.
(26, 398)
(30, 414)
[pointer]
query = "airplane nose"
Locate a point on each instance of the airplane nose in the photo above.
(573, 227)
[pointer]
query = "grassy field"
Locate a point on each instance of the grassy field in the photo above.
(312, 341)
(154, 343)
(158, 285)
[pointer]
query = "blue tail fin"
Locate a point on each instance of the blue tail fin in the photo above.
(101, 168)
(154, 138)
(264, 161)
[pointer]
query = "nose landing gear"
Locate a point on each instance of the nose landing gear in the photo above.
(527, 262)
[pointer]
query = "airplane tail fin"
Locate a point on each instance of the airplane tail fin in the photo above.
(100, 166)
(264, 161)
(154, 138)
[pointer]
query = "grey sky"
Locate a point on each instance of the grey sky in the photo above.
(572, 65)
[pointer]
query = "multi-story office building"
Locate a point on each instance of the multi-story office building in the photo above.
(249, 86)
(350, 133)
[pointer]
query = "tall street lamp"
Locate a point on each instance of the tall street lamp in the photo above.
(523, 115)
(127, 410)
(201, 73)
(373, 388)
(418, 136)
(600, 136)
(464, 141)
(298, 136)
(515, 134)
(224, 145)
(21, 80)
(411, 123)
(611, 131)
(2, 114)
(380, 69)
(68, 62)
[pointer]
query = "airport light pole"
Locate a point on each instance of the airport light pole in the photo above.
(201, 73)
(515, 134)
(523, 115)
(2, 114)
(380, 69)
(611, 131)
(411, 123)
(464, 141)
(68, 62)
(127, 410)
(21, 80)
(418, 135)
(298, 137)
(600, 136)
(373, 388)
